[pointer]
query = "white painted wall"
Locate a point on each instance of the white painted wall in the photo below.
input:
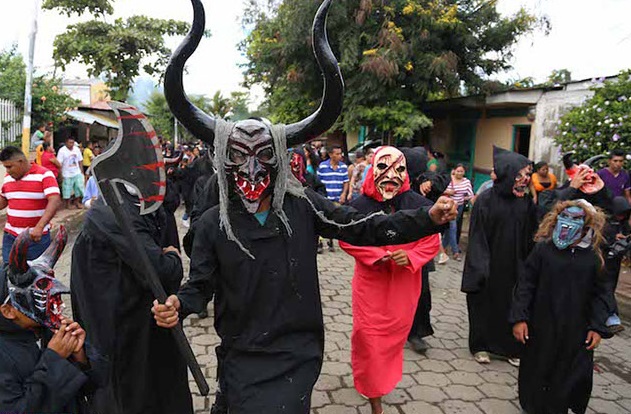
(551, 106)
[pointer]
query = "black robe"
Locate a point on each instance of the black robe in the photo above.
(146, 372)
(500, 239)
(561, 294)
(38, 380)
(170, 236)
(268, 311)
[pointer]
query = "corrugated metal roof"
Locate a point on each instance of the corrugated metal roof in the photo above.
(92, 118)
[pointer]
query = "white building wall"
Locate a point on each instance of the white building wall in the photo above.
(551, 106)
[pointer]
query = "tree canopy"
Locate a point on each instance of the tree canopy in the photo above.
(602, 123)
(116, 50)
(394, 56)
(49, 102)
(234, 107)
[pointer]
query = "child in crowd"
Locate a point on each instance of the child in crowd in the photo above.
(57, 376)
(559, 310)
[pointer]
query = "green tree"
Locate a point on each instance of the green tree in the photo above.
(390, 53)
(116, 50)
(12, 76)
(559, 76)
(220, 106)
(602, 123)
(163, 121)
(49, 102)
(159, 115)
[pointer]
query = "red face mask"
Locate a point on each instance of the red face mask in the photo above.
(594, 183)
(251, 160)
(297, 167)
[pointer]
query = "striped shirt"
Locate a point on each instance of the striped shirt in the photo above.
(332, 179)
(462, 191)
(27, 198)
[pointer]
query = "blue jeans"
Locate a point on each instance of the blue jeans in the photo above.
(35, 249)
(450, 236)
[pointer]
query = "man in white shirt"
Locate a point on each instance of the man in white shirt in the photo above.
(71, 158)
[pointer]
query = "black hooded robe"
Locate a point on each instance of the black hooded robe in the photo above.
(146, 374)
(561, 294)
(268, 311)
(500, 239)
(170, 236)
(417, 167)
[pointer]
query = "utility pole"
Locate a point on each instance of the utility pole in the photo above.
(26, 123)
(175, 137)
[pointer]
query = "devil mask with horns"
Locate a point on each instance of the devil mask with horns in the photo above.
(250, 155)
(593, 183)
(32, 287)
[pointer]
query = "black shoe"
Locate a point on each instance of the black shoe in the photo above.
(320, 249)
(331, 248)
(203, 314)
(418, 345)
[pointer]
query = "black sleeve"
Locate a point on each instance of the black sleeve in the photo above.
(347, 224)
(526, 287)
(200, 288)
(567, 193)
(207, 198)
(602, 296)
(52, 386)
(478, 260)
(440, 182)
(168, 266)
(96, 371)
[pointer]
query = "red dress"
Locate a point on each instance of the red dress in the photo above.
(385, 296)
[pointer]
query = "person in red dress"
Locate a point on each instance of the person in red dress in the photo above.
(49, 161)
(386, 283)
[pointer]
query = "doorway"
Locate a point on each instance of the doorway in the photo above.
(521, 139)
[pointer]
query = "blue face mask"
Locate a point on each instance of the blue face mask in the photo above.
(569, 227)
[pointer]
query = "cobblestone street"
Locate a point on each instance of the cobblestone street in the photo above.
(445, 380)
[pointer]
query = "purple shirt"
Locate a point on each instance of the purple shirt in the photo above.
(618, 184)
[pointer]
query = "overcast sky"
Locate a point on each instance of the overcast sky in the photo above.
(590, 38)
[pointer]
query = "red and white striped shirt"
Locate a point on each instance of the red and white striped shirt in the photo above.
(28, 198)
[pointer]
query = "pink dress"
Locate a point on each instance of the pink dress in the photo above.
(385, 296)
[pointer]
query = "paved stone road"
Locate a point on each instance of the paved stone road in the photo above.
(446, 380)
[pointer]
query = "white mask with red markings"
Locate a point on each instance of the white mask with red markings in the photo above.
(389, 171)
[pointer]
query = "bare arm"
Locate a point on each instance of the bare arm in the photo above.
(55, 162)
(3, 203)
(344, 196)
(54, 201)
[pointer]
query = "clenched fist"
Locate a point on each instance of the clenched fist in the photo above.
(444, 210)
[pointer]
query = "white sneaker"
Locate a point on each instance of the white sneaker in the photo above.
(442, 258)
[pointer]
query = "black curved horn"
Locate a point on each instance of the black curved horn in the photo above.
(200, 124)
(49, 258)
(333, 96)
(594, 159)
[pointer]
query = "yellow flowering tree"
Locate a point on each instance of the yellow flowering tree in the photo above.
(394, 56)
